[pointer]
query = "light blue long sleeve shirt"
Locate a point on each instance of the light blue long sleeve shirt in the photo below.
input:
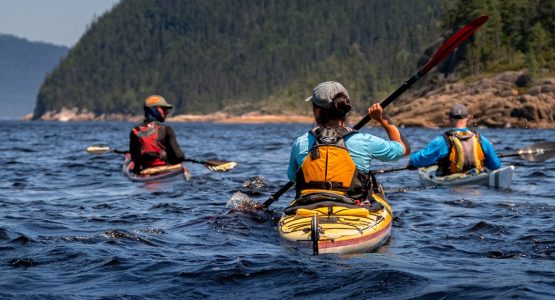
(363, 148)
(438, 149)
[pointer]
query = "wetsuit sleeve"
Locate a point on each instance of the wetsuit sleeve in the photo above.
(492, 161)
(293, 165)
(174, 153)
(135, 150)
(431, 154)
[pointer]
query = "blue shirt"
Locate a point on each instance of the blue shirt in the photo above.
(363, 147)
(438, 149)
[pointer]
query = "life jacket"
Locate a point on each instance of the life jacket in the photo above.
(153, 152)
(329, 168)
(465, 153)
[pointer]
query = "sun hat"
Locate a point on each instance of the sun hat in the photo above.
(155, 100)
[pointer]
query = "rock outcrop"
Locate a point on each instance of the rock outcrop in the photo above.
(508, 99)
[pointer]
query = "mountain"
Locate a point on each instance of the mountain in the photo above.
(210, 55)
(24, 66)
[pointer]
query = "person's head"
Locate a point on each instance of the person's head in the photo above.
(458, 115)
(156, 108)
(331, 103)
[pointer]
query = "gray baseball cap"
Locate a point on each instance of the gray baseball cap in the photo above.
(458, 111)
(323, 93)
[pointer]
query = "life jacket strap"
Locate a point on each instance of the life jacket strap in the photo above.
(326, 185)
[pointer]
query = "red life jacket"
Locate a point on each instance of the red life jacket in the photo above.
(153, 152)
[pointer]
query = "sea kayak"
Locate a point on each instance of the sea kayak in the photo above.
(500, 178)
(155, 174)
(335, 227)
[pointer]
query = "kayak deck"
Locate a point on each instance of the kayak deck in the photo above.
(337, 228)
(500, 178)
(155, 174)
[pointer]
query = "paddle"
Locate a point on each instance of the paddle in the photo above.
(213, 165)
(536, 153)
(446, 48)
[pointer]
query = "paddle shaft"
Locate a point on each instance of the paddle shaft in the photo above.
(105, 149)
(195, 161)
(536, 153)
(405, 86)
(278, 194)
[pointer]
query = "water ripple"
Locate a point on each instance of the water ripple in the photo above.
(73, 226)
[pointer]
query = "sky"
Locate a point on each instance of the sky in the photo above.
(59, 22)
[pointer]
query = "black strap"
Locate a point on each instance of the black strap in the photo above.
(326, 185)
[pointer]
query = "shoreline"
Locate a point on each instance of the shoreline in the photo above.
(494, 101)
(67, 115)
(72, 115)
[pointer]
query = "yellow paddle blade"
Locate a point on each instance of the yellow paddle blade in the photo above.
(223, 167)
(98, 149)
(160, 169)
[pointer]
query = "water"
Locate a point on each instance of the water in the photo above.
(72, 226)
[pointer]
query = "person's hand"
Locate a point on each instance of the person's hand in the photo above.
(376, 112)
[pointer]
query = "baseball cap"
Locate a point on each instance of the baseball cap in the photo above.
(155, 100)
(458, 111)
(323, 93)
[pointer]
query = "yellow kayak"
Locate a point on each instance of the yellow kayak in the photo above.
(336, 227)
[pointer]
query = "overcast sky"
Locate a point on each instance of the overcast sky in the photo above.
(60, 22)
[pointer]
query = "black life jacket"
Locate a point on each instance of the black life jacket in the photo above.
(329, 168)
(153, 152)
(465, 153)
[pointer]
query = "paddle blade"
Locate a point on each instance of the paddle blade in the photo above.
(98, 149)
(219, 166)
(538, 152)
(453, 42)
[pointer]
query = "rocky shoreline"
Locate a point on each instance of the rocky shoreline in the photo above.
(74, 115)
(505, 100)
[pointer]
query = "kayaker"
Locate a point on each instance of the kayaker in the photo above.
(334, 158)
(152, 144)
(459, 150)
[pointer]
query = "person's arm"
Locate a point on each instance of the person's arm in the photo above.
(135, 150)
(492, 160)
(174, 153)
(376, 112)
(293, 165)
(431, 154)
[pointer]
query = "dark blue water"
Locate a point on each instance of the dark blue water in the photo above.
(73, 226)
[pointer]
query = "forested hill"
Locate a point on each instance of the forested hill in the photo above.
(207, 55)
(24, 66)
(520, 34)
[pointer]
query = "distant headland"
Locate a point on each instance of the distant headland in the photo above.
(503, 100)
